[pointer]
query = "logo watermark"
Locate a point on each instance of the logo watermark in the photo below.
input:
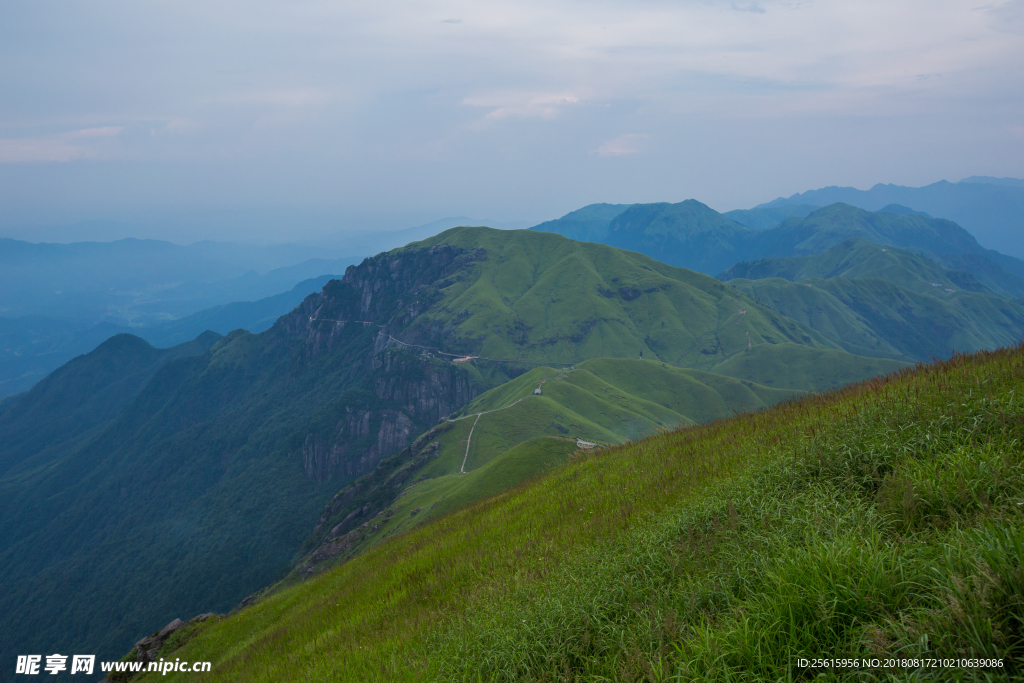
(32, 665)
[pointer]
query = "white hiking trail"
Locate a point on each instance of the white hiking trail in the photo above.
(469, 439)
(460, 357)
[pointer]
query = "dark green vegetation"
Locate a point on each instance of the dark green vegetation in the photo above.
(81, 397)
(991, 208)
(517, 433)
(883, 520)
(691, 235)
(203, 487)
(33, 346)
(884, 302)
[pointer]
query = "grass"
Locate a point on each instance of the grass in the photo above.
(882, 520)
(520, 434)
(539, 297)
(859, 259)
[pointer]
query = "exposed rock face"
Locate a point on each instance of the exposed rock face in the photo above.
(413, 393)
(382, 294)
(360, 508)
(148, 649)
(402, 390)
(345, 453)
(149, 646)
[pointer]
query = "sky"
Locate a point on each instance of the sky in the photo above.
(287, 121)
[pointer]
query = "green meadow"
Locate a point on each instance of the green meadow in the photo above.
(880, 521)
(517, 434)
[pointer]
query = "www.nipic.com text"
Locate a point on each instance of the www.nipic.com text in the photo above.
(33, 665)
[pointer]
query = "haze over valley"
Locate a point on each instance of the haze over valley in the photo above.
(511, 341)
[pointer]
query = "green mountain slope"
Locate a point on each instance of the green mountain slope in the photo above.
(513, 433)
(203, 488)
(858, 258)
(537, 297)
(877, 318)
(885, 302)
(687, 234)
(847, 523)
(80, 398)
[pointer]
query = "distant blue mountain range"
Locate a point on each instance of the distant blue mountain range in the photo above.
(991, 209)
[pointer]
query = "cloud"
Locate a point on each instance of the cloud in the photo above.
(1009, 17)
(55, 148)
(749, 7)
(451, 21)
(287, 97)
(622, 146)
(545, 106)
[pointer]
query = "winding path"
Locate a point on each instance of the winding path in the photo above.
(469, 439)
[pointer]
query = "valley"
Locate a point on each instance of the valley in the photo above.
(433, 378)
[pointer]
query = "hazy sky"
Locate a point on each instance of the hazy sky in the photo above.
(282, 120)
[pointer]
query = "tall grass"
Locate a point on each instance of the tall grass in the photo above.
(884, 520)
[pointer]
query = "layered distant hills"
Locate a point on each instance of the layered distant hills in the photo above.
(208, 480)
(692, 235)
(139, 484)
(32, 346)
(992, 209)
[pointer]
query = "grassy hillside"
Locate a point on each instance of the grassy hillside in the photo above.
(885, 302)
(875, 317)
(203, 487)
(858, 258)
(537, 297)
(880, 521)
(942, 240)
(517, 434)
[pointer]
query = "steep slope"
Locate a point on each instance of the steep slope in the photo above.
(81, 397)
(203, 488)
(537, 297)
(512, 433)
(849, 522)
